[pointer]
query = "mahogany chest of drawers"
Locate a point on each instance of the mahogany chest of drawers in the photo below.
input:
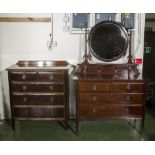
(110, 93)
(39, 91)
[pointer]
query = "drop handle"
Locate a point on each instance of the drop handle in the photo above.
(26, 112)
(51, 99)
(24, 87)
(51, 87)
(51, 77)
(25, 99)
(127, 98)
(126, 111)
(24, 77)
(94, 110)
(94, 98)
(51, 112)
(128, 87)
(94, 87)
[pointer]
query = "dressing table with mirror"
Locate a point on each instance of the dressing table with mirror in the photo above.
(105, 89)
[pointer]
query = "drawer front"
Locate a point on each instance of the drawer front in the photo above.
(52, 99)
(127, 87)
(111, 111)
(51, 76)
(94, 86)
(25, 99)
(91, 98)
(38, 87)
(38, 112)
(136, 98)
(23, 76)
(38, 99)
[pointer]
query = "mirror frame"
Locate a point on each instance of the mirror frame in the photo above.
(123, 53)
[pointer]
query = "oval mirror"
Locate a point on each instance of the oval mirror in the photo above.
(108, 41)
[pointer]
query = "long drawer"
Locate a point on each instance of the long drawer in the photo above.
(38, 112)
(38, 99)
(37, 87)
(110, 111)
(93, 86)
(127, 87)
(94, 98)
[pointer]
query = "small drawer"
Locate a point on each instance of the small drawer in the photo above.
(51, 99)
(127, 87)
(94, 111)
(128, 111)
(23, 76)
(39, 112)
(51, 87)
(24, 87)
(94, 86)
(25, 99)
(93, 98)
(51, 76)
(134, 98)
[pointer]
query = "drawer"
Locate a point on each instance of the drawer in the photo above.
(25, 99)
(94, 97)
(127, 87)
(38, 99)
(52, 99)
(38, 87)
(51, 76)
(38, 112)
(94, 111)
(94, 86)
(24, 88)
(134, 98)
(111, 111)
(23, 76)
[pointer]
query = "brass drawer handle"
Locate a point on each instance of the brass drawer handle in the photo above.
(24, 87)
(51, 87)
(26, 112)
(51, 77)
(126, 111)
(51, 99)
(51, 112)
(94, 87)
(25, 99)
(23, 77)
(127, 98)
(128, 87)
(94, 110)
(94, 98)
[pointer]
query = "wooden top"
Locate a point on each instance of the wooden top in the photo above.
(40, 65)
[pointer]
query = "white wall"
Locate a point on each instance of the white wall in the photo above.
(28, 41)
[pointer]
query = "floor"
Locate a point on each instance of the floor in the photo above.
(106, 130)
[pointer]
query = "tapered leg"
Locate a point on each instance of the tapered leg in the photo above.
(142, 127)
(77, 126)
(13, 123)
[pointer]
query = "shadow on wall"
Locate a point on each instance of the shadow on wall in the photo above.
(5, 94)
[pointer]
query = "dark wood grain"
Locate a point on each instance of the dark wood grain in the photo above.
(109, 91)
(39, 93)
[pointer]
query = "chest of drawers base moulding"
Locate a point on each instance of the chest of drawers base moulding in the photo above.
(39, 91)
